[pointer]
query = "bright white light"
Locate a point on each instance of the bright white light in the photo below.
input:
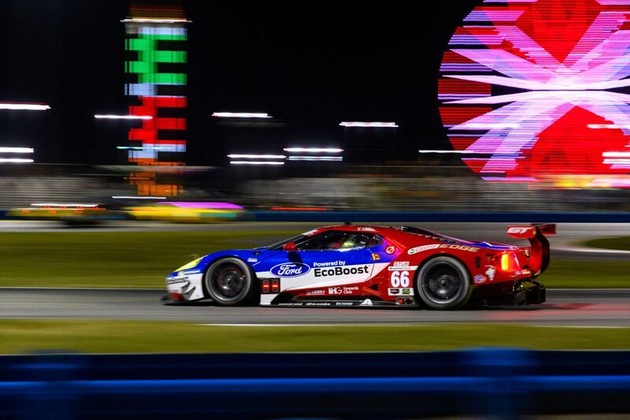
(16, 150)
(255, 156)
(15, 160)
(608, 126)
(155, 20)
(616, 154)
(122, 117)
(368, 124)
(240, 115)
(317, 158)
(24, 107)
(312, 150)
(446, 151)
(254, 162)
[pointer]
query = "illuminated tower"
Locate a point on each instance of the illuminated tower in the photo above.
(155, 43)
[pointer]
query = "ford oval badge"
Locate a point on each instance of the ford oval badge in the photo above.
(290, 269)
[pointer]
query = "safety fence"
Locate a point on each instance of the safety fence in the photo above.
(481, 382)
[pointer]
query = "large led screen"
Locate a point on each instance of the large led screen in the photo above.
(538, 90)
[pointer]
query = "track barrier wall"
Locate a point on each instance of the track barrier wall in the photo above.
(479, 382)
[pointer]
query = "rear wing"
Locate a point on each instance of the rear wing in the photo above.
(531, 231)
(540, 250)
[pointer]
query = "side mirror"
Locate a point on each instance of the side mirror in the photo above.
(290, 247)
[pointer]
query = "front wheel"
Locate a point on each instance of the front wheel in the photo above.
(231, 282)
(443, 283)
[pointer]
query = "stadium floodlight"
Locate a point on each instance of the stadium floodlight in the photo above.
(374, 124)
(254, 156)
(313, 150)
(23, 106)
(122, 117)
(16, 160)
(241, 115)
(316, 158)
(256, 159)
(16, 150)
(255, 162)
(447, 151)
(155, 20)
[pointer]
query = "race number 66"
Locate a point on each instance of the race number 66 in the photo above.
(400, 279)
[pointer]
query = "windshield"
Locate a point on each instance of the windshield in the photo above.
(280, 244)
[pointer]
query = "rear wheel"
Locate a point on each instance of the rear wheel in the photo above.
(231, 282)
(443, 283)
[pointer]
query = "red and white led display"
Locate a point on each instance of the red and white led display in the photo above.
(532, 90)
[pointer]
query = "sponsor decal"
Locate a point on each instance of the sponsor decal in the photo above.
(252, 260)
(376, 257)
(401, 265)
(399, 292)
(341, 271)
(518, 229)
(480, 278)
(422, 248)
(329, 263)
(290, 269)
(177, 280)
(318, 292)
(334, 290)
(458, 247)
(390, 249)
(366, 229)
(187, 272)
(490, 271)
(343, 290)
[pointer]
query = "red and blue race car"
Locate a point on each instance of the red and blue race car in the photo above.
(370, 265)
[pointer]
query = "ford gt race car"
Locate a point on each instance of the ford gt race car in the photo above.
(369, 265)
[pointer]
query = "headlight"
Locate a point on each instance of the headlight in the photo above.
(191, 264)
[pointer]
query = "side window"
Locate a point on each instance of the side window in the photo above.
(339, 240)
(326, 240)
(375, 240)
(356, 241)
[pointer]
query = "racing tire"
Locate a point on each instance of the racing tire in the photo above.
(443, 283)
(231, 282)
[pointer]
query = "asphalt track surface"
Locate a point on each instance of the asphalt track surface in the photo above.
(574, 308)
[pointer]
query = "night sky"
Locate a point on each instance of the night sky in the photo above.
(310, 65)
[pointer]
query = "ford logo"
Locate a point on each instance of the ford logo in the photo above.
(290, 269)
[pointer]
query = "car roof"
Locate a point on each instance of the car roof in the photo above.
(401, 231)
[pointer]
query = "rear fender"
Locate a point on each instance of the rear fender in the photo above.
(539, 245)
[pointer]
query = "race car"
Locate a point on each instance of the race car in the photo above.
(370, 265)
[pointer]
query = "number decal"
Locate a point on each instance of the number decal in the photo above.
(399, 279)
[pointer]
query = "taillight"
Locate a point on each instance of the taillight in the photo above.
(509, 262)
